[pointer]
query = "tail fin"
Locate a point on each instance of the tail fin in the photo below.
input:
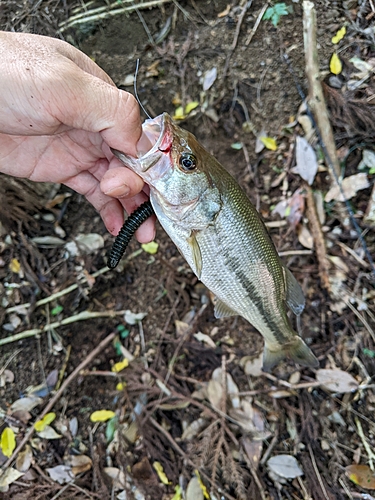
(297, 351)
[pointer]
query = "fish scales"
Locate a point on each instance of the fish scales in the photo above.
(221, 235)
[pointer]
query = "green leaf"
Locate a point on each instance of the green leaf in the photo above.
(57, 310)
(268, 14)
(111, 428)
(118, 346)
(274, 13)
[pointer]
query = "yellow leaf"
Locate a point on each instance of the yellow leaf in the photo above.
(339, 35)
(179, 113)
(118, 367)
(269, 142)
(335, 65)
(120, 386)
(178, 493)
(160, 472)
(190, 106)
(40, 425)
(15, 266)
(361, 475)
(203, 488)
(151, 247)
(8, 442)
(102, 415)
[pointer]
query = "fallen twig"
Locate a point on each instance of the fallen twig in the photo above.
(69, 289)
(185, 456)
(103, 344)
(316, 97)
(257, 23)
(317, 473)
(66, 321)
(245, 6)
(370, 453)
(56, 295)
(107, 11)
(318, 236)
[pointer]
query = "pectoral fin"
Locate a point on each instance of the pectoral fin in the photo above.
(294, 294)
(196, 253)
(222, 310)
(297, 350)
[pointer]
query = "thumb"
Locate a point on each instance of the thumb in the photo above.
(84, 101)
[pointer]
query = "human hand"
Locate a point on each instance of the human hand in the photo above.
(59, 116)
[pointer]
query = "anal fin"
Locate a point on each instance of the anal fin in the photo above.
(222, 310)
(294, 294)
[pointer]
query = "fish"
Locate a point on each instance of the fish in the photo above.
(221, 235)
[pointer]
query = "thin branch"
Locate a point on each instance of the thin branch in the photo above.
(185, 456)
(103, 344)
(105, 12)
(316, 97)
(84, 315)
(318, 236)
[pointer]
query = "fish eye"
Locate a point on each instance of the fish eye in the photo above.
(188, 162)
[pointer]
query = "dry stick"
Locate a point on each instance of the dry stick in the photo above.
(317, 473)
(316, 98)
(370, 453)
(109, 11)
(245, 7)
(317, 104)
(318, 236)
(257, 23)
(66, 321)
(255, 476)
(185, 456)
(57, 396)
(360, 317)
(59, 294)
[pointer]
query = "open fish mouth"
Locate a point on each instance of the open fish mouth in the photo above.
(156, 139)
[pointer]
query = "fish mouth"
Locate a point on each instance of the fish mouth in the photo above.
(155, 140)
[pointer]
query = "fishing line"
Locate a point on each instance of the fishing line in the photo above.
(136, 218)
(330, 165)
(135, 90)
(130, 226)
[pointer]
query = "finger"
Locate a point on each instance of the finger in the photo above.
(120, 182)
(110, 209)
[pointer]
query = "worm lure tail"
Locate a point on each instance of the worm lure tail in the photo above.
(130, 226)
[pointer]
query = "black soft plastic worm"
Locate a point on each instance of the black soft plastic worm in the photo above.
(130, 226)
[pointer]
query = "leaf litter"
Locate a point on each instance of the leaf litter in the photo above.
(246, 413)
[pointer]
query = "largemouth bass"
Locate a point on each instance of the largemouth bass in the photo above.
(221, 235)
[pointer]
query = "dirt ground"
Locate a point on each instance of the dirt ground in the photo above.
(176, 348)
